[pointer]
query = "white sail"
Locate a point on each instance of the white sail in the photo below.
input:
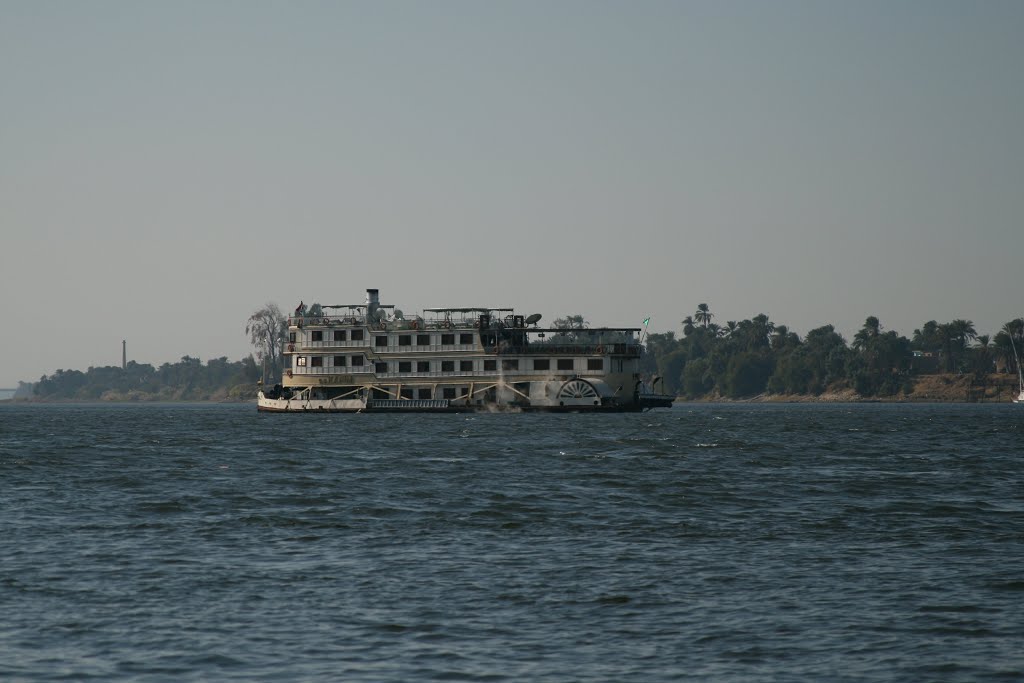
(1020, 372)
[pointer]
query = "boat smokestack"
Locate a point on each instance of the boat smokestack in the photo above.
(372, 303)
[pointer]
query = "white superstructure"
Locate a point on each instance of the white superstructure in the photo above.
(372, 357)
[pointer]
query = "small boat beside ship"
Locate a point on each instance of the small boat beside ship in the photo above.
(371, 357)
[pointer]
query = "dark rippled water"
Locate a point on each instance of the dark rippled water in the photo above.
(710, 542)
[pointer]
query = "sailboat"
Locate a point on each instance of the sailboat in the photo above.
(1020, 373)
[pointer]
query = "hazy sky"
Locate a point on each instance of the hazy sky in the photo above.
(166, 168)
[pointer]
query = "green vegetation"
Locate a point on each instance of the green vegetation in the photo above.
(187, 380)
(739, 359)
(747, 358)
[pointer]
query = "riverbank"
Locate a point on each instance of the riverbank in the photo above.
(946, 388)
(240, 393)
(995, 388)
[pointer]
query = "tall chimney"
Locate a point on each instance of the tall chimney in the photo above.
(124, 354)
(372, 303)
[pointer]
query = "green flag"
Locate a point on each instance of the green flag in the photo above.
(646, 320)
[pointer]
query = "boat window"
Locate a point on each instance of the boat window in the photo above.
(316, 361)
(422, 340)
(339, 335)
(541, 364)
(406, 393)
(465, 366)
(448, 339)
(423, 366)
(447, 366)
(404, 366)
(357, 360)
(339, 361)
(380, 368)
(595, 364)
(490, 365)
(381, 340)
(318, 335)
(465, 338)
(510, 364)
(405, 340)
(424, 394)
(291, 337)
(565, 364)
(301, 361)
(449, 392)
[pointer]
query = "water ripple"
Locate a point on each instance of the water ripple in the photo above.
(735, 542)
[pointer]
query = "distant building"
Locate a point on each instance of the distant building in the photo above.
(925, 362)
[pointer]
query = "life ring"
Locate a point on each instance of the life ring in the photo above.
(447, 324)
(415, 324)
(476, 324)
(289, 373)
(327, 321)
(600, 350)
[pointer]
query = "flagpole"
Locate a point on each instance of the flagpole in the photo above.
(646, 321)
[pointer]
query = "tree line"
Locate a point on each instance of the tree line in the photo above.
(736, 359)
(187, 380)
(756, 356)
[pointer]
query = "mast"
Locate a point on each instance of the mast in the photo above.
(1016, 358)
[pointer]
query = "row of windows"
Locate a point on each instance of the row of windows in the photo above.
(465, 338)
(489, 364)
(339, 361)
(339, 335)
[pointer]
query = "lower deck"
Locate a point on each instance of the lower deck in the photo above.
(575, 393)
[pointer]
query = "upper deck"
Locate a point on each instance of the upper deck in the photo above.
(457, 328)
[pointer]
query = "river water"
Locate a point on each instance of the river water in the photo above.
(707, 542)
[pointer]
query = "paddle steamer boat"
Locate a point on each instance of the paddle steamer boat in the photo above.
(370, 357)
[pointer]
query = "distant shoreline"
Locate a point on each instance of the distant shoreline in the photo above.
(944, 388)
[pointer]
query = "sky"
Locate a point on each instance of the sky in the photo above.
(167, 168)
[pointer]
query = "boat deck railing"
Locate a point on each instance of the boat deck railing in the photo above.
(408, 403)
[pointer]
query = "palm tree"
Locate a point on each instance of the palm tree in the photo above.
(965, 332)
(955, 335)
(703, 315)
(688, 326)
(571, 322)
(927, 338)
(947, 340)
(1008, 343)
(864, 338)
(783, 338)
